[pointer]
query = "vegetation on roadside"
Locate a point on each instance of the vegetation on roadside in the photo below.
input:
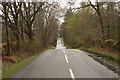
(10, 68)
(27, 28)
(95, 28)
(110, 57)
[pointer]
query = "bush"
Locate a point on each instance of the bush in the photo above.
(117, 46)
(33, 47)
(109, 43)
(13, 46)
(97, 41)
(7, 59)
(88, 41)
(0, 45)
(4, 46)
(78, 42)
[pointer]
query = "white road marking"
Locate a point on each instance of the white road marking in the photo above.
(66, 58)
(63, 50)
(71, 73)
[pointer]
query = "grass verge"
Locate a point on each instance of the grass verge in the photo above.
(112, 58)
(8, 70)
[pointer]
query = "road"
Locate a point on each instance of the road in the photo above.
(64, 63)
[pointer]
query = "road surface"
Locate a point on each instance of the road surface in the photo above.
(64, 63)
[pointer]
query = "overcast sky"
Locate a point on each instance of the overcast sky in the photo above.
(63, 3)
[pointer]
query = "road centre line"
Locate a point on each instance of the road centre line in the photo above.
(63, 50)
(70, 70)
(71, 74)
(66, 58)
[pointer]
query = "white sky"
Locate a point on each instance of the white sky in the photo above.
(64, 3)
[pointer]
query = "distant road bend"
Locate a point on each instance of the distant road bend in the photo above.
(64, 63)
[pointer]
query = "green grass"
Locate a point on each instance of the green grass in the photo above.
(108, 54)
(8, 70)
(114, 55)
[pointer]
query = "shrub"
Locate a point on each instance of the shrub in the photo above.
(117, 46)
(78, 42)
(88, 41)
(109, 43)
(13, 46)
(4, 45)
(7, 59)
(97, 41)
(0, 45)
(33, 47)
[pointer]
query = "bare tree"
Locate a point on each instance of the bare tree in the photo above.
(5, 9)
(29, 14)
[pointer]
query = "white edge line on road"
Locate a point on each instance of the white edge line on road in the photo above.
(71, 73)
(63, 50)
(66, 58)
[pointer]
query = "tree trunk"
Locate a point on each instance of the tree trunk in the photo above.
(7, 41)
(119, 28)
(18, 41)
(108, 22)
(108, 34)
(99, 16)
(7, 31)
(101, 23)
(30, 34)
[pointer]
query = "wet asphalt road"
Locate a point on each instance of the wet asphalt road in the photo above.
(64, 63)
